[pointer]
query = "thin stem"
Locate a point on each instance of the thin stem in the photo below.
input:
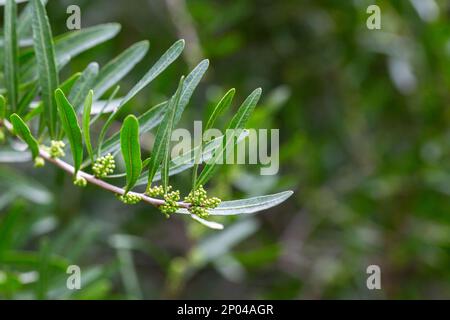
(92, 179)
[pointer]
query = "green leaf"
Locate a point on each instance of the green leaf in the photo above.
(72, 43)
(71, 128)
(170, 125)
(81, 88)
(34, 112)
(25, 20)
(37, 108)
(161, 151)
(11, 64)
(22, 130)
(166, 60)
(190, 83)
(131, 150)
(147, 122)
(26, 99)
(67, 85)
(247, 206)
(185, 161)
(2, 107)
(223, 104)
(210, 224)
(237, 123)
(101, 107)
(46, 63)
(240, 119)
(154, 116)
(86, 124)
(120, 66)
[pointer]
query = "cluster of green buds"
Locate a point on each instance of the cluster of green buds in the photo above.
(80, 182)
(170, 206)
(156, 191)
(39, 162)
(200, 203)
(129, 198)
(104, 166)
(56, 149)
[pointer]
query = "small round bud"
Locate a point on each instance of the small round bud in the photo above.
(200, 203)
(80, 182)
(39, 162)
(129, 198)
(104, 166)
(170, 206)
(157, 191)
(56, 149)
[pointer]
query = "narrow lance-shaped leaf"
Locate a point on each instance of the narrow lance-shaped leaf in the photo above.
(220, 108)
(247, 206)
(23, 131)
(147, 121)
(170, 126)
(207, 223)
(25, 19)
(46, 64)
(82, 86)
(154, 115)
(166, 60)
(73, 43)
(86, 124)
(105, 105)
(237, 123)
(11, 64)
(223, 104)
(162, 139)
(131, 150)
(120, 66)
(71, 128)
(26, 99)
(191, 82)
(65, 87)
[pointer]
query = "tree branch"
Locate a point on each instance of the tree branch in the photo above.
(92, 179)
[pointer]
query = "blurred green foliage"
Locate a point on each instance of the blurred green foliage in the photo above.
(364, 127)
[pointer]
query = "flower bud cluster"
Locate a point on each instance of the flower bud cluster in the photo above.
(129, 198)
(56, 149)
(39, 162)
(200, 203)
(170, 206)
(80, 182)
(104, 166)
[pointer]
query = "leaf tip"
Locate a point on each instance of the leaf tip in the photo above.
(59, 92)
(95, 66)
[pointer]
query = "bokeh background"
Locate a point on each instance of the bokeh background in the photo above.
(364, 133)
